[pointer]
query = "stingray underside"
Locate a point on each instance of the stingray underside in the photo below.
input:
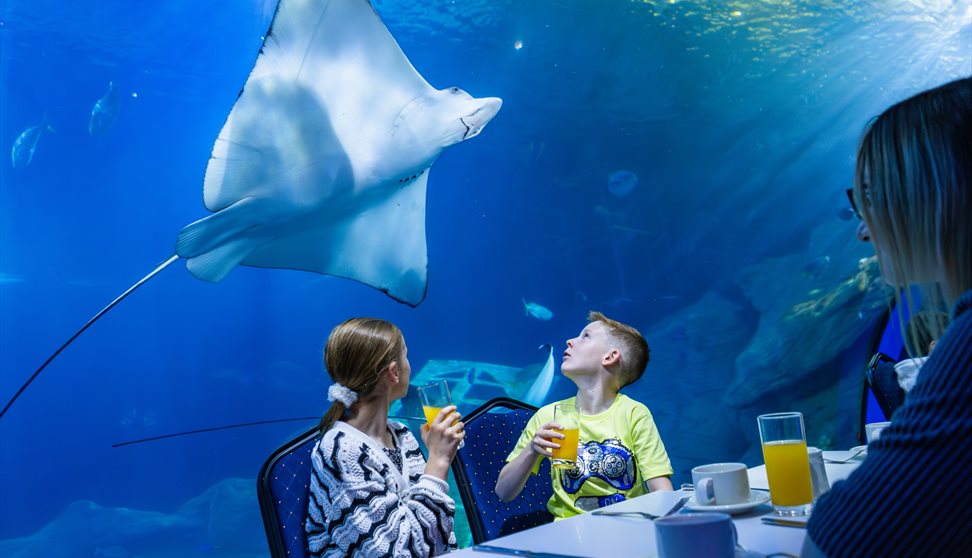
(290, 178)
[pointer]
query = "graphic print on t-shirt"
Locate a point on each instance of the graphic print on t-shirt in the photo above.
(609, 461)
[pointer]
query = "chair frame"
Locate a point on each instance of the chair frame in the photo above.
(879, 395)
(271, 522)
(880, 328)
(476, 527)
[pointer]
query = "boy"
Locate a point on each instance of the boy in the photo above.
(620, 453)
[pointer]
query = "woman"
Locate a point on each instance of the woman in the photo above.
(913, 494)
(372, 493)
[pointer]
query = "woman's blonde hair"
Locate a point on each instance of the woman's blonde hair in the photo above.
(912, 182)
(357, 352)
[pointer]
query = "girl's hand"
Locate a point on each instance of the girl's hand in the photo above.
(442, 437)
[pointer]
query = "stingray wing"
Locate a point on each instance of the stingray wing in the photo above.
(331, 60)
(382, 246)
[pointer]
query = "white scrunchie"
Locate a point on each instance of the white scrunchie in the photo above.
(345, 395)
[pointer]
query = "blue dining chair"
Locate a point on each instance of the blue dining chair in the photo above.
(491, 433)
(883, 381)
(283, 487)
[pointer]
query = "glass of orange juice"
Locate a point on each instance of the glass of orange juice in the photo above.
(567, 416)
(435, 396)
(784, 442)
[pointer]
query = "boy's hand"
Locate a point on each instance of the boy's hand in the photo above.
(514, 475)
(546, 439)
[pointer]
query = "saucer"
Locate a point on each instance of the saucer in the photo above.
(756, 497)
(860, 456)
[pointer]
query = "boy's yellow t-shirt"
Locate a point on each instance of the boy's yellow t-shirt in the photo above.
(617, 451)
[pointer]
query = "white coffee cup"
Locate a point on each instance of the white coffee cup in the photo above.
(721, 484)
(873, 430)
(691, 535)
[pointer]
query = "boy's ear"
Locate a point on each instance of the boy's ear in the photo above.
(611, 358)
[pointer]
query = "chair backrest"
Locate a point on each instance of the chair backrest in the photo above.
(283, 487)
(883, 381)
(887, 339)
(491, 433)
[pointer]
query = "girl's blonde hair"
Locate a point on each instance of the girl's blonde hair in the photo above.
(912, 182)
(357, 352)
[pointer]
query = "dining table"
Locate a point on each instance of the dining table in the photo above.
(628, 536)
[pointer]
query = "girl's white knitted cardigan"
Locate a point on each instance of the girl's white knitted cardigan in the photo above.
(361, 505)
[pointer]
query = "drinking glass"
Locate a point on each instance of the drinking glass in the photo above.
(435, 396)
(784, 442)
(567, 416)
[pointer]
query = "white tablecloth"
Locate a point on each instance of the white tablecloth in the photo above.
(623, 537)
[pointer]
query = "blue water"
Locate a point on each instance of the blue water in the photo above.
(739, 119)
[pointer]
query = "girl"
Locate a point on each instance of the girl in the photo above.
(372, 493)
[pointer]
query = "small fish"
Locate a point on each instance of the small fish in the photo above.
(622, 183)
(537, 311)
(23, 148)
(105, 111)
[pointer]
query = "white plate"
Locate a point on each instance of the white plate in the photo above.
(756, 497)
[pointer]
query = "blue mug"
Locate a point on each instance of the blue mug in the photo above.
(691, 535)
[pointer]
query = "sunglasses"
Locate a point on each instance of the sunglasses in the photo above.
(853, 204)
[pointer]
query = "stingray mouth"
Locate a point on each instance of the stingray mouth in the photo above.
(469, 130)
(475, 121)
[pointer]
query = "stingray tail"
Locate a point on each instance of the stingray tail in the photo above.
(216, 244)
(243, 425)
(101, 313)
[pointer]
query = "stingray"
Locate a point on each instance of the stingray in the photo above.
(323, 162)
